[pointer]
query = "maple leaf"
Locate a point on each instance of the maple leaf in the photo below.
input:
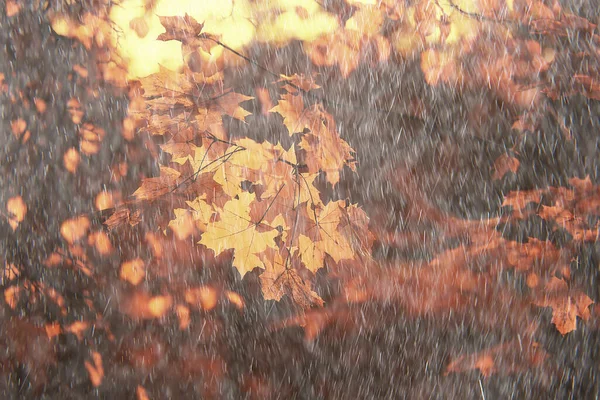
(235, 230)
(327, 152)
(186, 30)
(298, 81)
(152, 188)
(354, 226)
(280, 278)
(187, 220)
(566, 305)
(171, 84)
(176, 102)
(322, 236)
(291, 108)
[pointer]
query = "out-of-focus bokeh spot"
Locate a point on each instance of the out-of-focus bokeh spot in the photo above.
(91, 137)
(104, 200)
(71, 160)
(141, 393)
(95, 369)
(183, 314)
(101, 242)
(17, 209)
(133, 271)
(141, 305)
(75, 110)
(12, 8)
(235, 299)
(74, 229)
(19, 127)
(202, 296)
(11, 296)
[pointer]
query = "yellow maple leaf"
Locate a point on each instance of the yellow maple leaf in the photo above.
(236, 230)
(324, 237)
(291, 108)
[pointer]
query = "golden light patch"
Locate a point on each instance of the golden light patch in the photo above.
(104, 200)
(101, 242)
(237, 23)
(74, 229)
(133, 271)
(203, 296)
(17, 209)
(159, 305)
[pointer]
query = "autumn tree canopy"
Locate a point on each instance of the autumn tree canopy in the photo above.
(175, 178)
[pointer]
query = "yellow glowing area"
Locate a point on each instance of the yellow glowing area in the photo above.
(237, 22)
(227, 18)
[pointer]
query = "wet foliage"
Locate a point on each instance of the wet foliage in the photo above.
(403, 207)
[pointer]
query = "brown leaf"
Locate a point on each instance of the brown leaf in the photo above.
(280, 278)
(152, 188)
(518, 200)
(504, 359)
(505, 164)
(186, 30)
(566, 305)
(180, 28)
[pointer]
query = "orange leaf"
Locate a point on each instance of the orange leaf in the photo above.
(96, 370)
(566, 305)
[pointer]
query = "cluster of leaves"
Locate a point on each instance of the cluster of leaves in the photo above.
(257, 199)
(508, 46)
(53, 136)
(257, 203)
